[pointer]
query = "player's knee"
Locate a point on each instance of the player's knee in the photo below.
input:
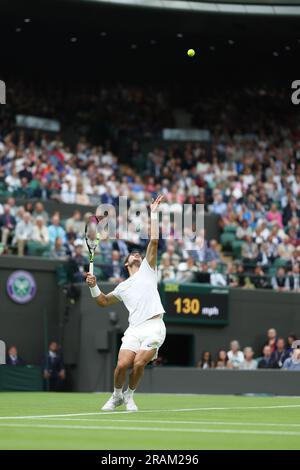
(122, 365)
(139, 364)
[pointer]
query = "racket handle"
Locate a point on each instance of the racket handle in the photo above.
(91, 269)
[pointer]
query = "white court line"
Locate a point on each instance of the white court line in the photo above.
(99, 413)
(157, 421)
(143, 428)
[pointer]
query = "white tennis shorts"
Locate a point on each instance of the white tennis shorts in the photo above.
(148, 335)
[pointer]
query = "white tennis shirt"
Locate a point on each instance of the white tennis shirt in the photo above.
(140, 295)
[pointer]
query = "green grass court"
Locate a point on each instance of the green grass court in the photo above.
(165, 421)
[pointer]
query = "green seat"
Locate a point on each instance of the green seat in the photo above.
(36, 249)
(230, 229)
(227, 239)
(237, 248)
(98, 259)
(279, 262)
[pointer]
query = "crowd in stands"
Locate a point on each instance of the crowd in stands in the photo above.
(277, 353)
(248, 174)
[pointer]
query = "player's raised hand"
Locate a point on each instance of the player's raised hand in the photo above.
(157, 202)
(91, 280)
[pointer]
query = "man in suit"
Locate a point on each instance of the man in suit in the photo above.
(54, 369)
(13, 358)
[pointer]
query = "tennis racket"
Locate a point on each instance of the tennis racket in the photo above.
(92, 237)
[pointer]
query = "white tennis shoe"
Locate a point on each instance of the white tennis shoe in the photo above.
(129, 402)
(112, 403)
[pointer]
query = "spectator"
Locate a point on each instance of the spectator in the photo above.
(75, 224)
(186, 270)
(279, 355)
(280, 282)
(259, 279)
(290, 340)
(206, 361)
(266, 361)
(59, 250)
(23, 233)
(40, 231)
(271, 339)
(13, 358)
(294, 278)
(7, 225)
(249, 363)
(235, 356)
(166, 272)
(114, 272)
(54, 369)
(293, 362)
(216, 278)
(274, 215)
(55, 230)
(39, 211)
(222, 359)
(249, 251)
(78, 263)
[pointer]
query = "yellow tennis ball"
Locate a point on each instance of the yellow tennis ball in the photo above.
(191, 52)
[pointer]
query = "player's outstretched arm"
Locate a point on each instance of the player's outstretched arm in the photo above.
(151, 253)
(103, 300)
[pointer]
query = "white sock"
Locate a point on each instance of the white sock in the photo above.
(118, 392)
(129, 391)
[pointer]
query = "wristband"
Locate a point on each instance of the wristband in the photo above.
(154, 215)
(95, 291)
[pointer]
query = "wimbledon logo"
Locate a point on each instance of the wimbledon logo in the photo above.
(21, 287)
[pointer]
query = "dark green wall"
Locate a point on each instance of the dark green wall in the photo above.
(30, 325)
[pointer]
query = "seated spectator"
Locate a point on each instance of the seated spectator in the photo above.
(56, 230)
(280, 282)
(265, 256)
(290, 340)
(59, 250)
(279, 355)
(216, 278)
(293, 362)
(231, 276)
(259, 279)
(294, 278)
(218, 206)
(54, 369)
(75, 224)
(114, 272)
(23, 233)
(40, 231)
(222, 358)
(271, 339)
(244, 231)
(241, 277)
(266, 361)
(274, 215)
(235, 356)
(39, 211)
(290, 210)
(7, 225)
(249, 251)
(13, 358)
(78, 263)
(186, 270)
(206, 361)
(212, 252)
(249, 363)
(166, 271)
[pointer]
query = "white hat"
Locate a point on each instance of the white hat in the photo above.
(78, 242)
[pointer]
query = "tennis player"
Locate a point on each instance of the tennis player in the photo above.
(146, 331)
